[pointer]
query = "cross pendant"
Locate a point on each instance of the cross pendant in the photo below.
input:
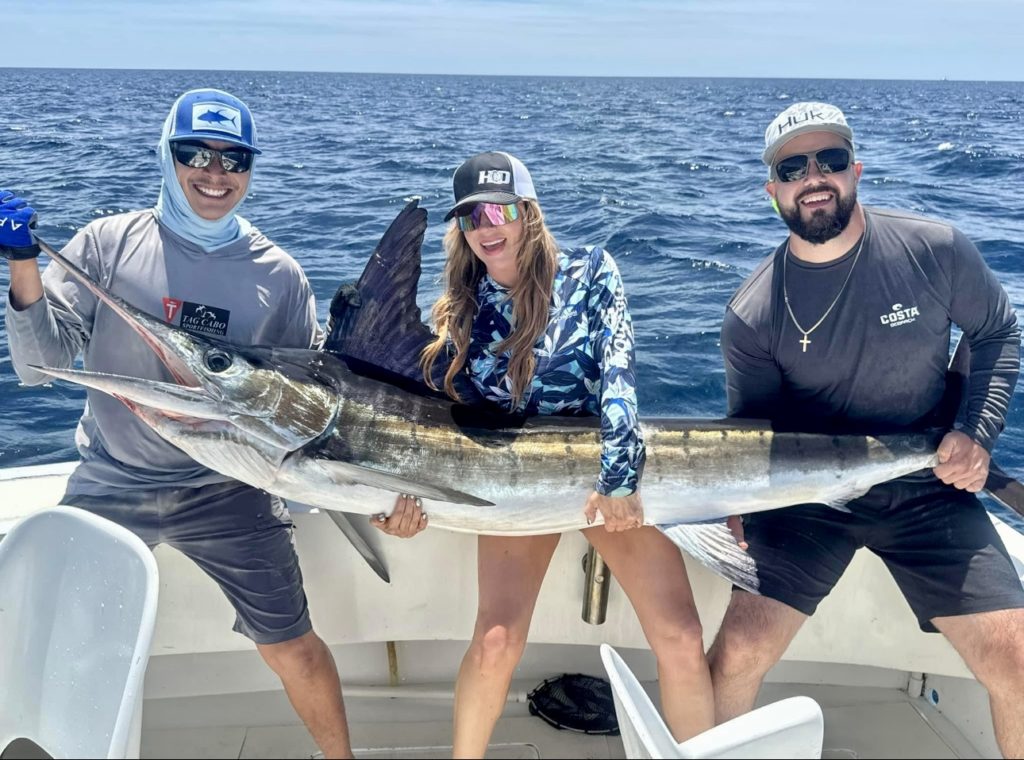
(805, 341)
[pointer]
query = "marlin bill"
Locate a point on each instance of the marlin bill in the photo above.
(349, 426)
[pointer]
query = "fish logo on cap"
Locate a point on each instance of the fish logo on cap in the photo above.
(216, 117)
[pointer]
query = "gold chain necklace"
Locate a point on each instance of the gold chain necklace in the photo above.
(805, 341)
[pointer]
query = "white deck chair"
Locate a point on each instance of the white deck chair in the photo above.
(788, 728)
(78, 600)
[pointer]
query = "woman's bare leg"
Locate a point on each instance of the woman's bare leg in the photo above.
(510, 572)
(650, 569)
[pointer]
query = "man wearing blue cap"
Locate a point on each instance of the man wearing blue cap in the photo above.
(195, 263)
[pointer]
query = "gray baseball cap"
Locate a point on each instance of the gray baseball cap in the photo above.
(800, 118)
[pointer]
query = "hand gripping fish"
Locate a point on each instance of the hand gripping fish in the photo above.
(349, 426)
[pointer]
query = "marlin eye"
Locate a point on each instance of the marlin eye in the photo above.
(217, 360)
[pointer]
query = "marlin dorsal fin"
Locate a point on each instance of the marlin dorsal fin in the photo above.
(376, 321)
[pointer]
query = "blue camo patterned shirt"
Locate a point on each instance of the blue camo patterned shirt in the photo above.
(585, 360)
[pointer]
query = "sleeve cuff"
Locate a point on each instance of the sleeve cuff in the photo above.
(621, 487)
(977, 435)
(27, 322)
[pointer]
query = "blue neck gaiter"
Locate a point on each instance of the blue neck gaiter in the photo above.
(173, 209)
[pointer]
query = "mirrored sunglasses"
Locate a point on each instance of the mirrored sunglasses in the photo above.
(829, 161)
(199, 156)
(472, 217)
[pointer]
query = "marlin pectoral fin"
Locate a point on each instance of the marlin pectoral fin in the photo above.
(359, 544)
(715, 547)
(344, 472)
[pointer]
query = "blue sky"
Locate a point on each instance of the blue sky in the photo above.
(898, 39)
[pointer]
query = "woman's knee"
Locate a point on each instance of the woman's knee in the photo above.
(681, 643)
(497, 647)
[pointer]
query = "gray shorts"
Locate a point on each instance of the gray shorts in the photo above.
(240, 536)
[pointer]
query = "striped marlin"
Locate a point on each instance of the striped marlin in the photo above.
(349, 426)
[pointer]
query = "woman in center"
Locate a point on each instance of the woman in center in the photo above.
(540, 330)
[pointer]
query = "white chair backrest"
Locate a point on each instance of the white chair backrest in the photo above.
(78, 597)
(789, 728)
(644, 734)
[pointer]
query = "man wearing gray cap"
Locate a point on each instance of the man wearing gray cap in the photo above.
(845, 328)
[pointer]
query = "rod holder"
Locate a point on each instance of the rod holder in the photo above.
(597, 581)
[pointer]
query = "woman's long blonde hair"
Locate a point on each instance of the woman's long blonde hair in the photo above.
(454, 311)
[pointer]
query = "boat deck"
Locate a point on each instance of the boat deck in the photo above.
(860, 722)
(208, 694)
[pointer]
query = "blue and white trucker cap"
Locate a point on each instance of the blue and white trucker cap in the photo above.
(493, 177)
(800, 118)
(213, 115)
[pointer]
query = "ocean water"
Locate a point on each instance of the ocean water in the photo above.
(665, 173)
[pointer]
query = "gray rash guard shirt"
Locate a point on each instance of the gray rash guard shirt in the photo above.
(249, 292)
(877, 363)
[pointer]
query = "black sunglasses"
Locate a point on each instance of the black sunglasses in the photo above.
(199, 156)
(829, 161)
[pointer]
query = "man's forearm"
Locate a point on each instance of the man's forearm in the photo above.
(995, 366)
(26, 283)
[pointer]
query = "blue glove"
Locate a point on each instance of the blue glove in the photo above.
(17, 218)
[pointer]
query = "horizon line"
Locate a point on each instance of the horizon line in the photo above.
(516, 76)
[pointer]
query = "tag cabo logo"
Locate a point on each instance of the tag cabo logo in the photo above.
(900, 316)
(197, 317)
(171, 308)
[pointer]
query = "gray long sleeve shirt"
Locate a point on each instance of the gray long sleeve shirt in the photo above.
(248, 292)
(877, 363)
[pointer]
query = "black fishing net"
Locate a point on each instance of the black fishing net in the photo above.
(576, 702)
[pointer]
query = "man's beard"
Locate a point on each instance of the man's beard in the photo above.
(823, 225)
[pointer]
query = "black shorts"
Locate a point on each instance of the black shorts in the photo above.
(937, 541)
(240, 536)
